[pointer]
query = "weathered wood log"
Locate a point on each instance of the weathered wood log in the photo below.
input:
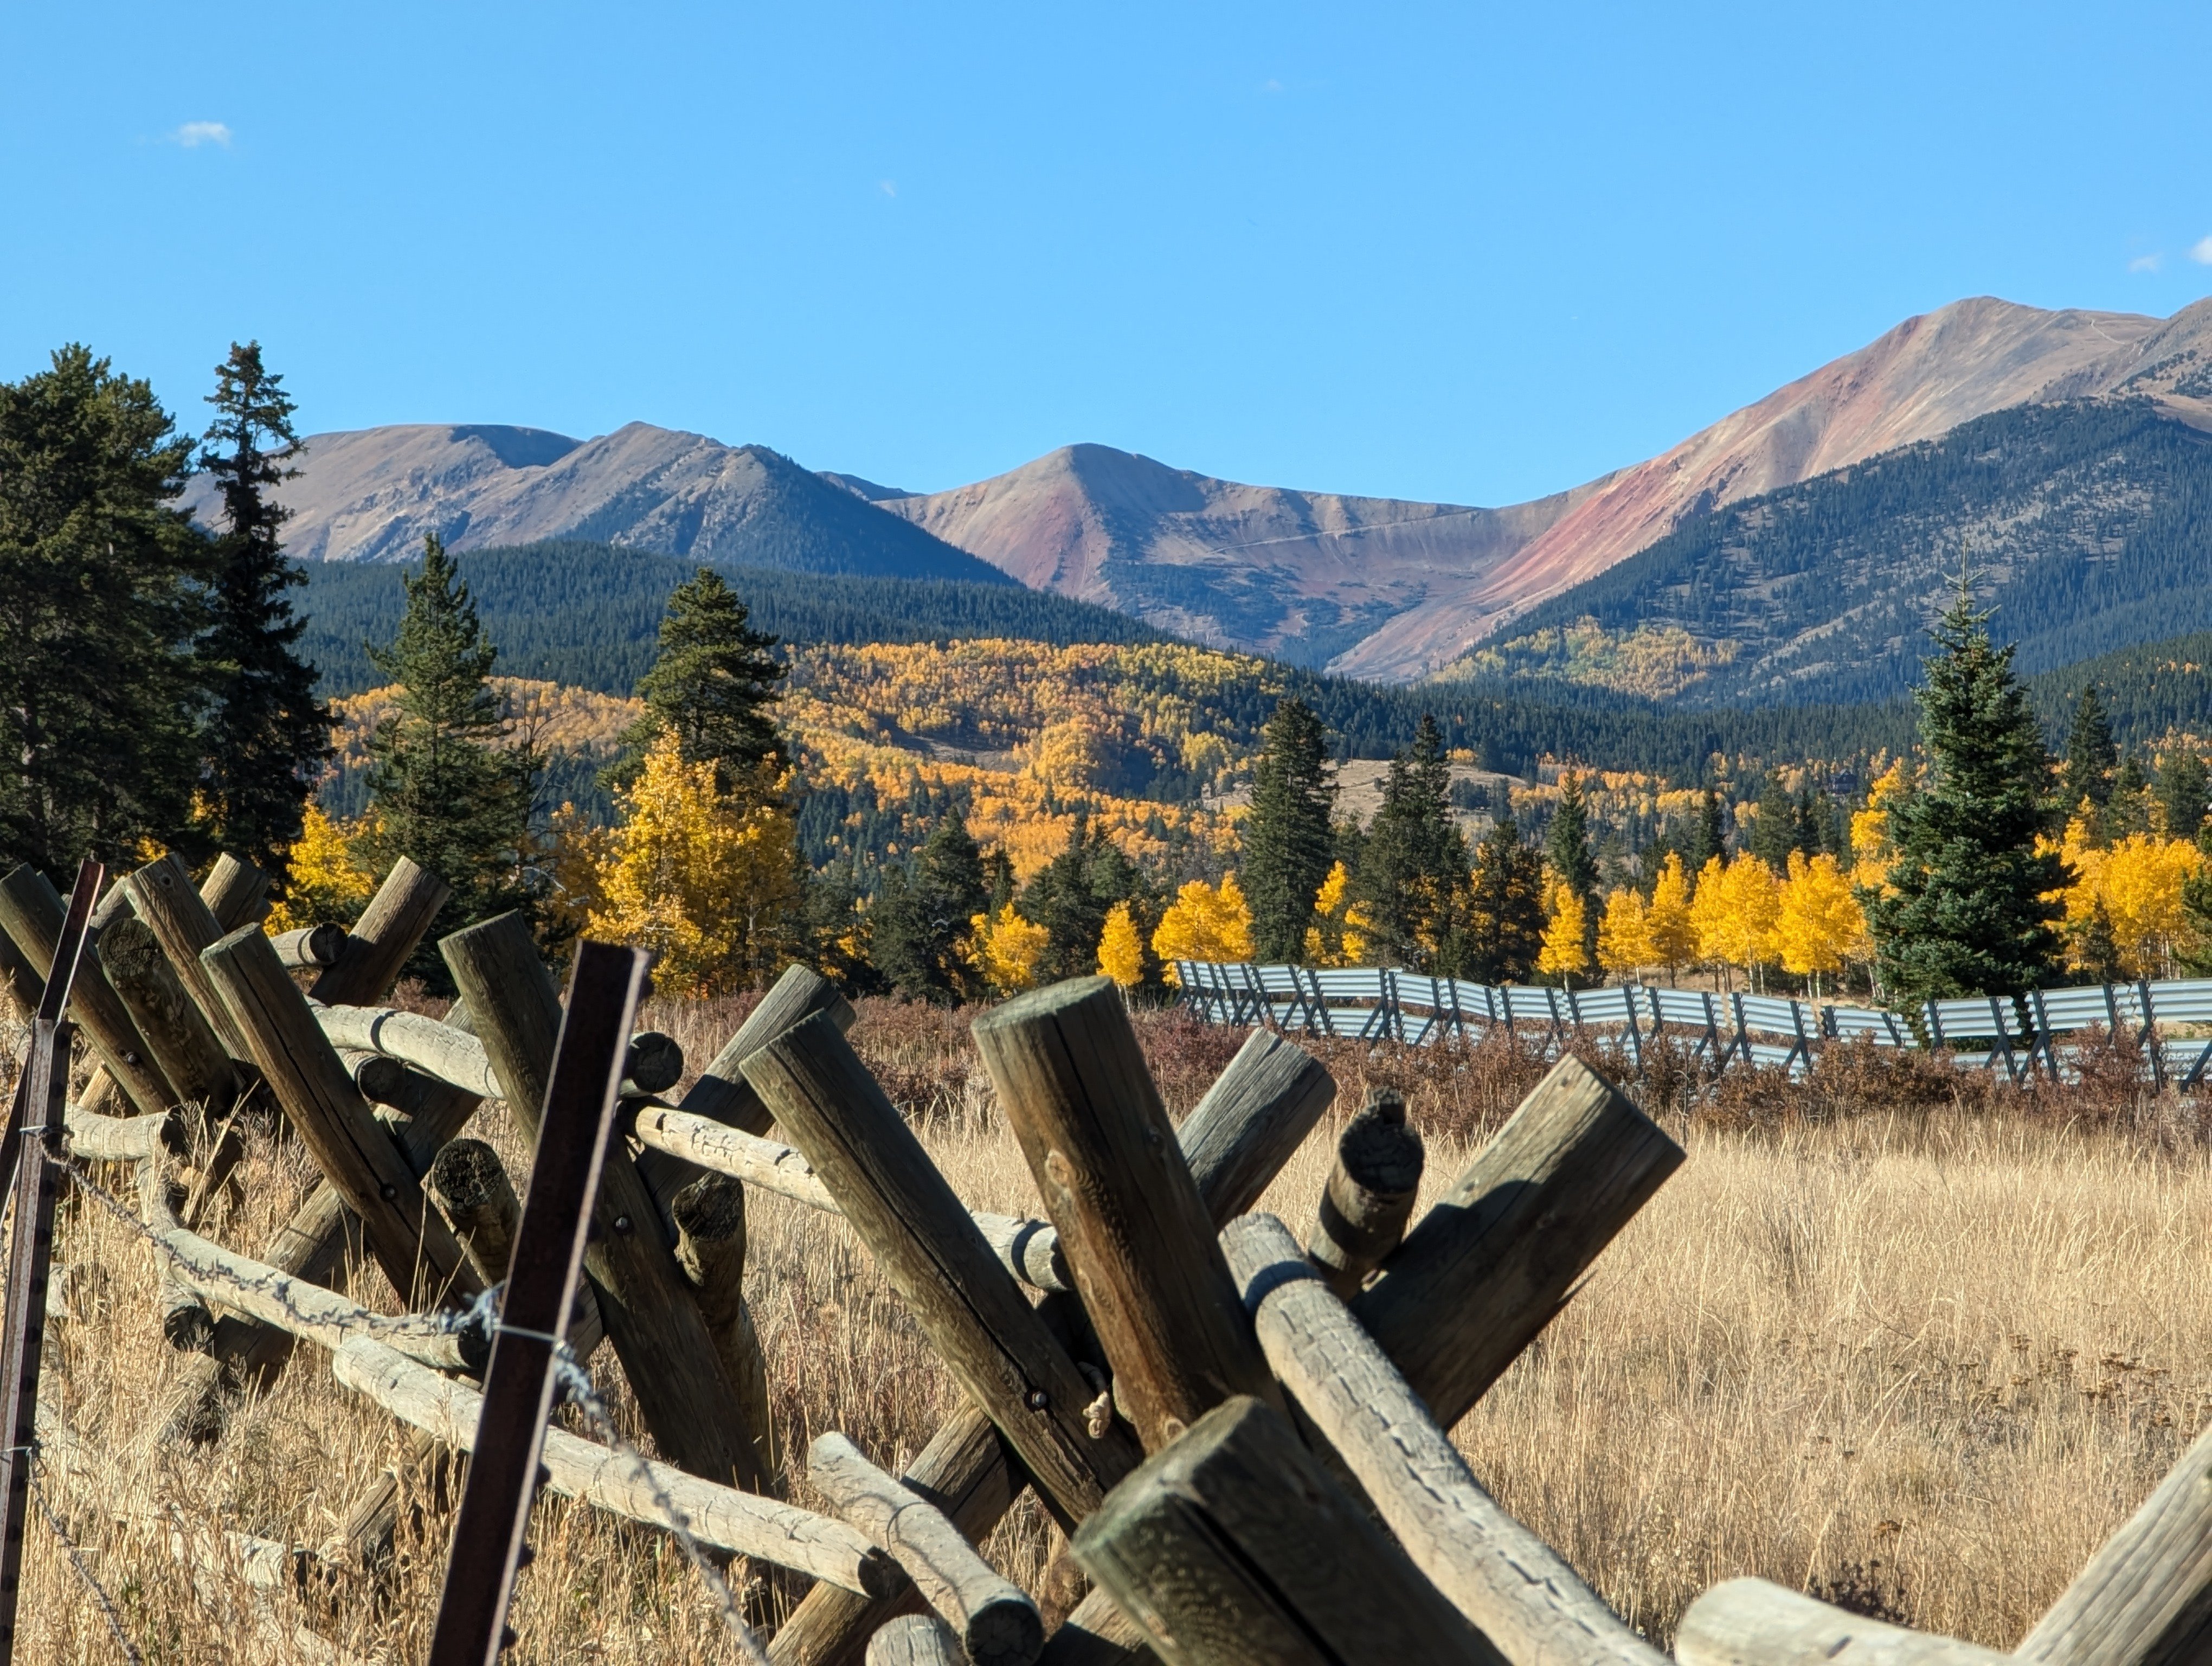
(20, 987)
(126, 1138)
(217, 1155)
(1073, 1084)
(722, 1091)
(721, 1149)
(1749, 1622)
(185, 1046)
(1233, 1545)
(914, 1640)
(742, 1522)
(436, 1049)
(928, 1245)
(31, 912)
(655, 1063)
(2145, 1599)
(1257, 1113)
(471, 1184)
(1369, 1193)
(377, 1076)
(1486, 1268)
(306, 946)
(1029, 1248)
(235, 891)
(162, 896)
(996, 1621)
(710, 1215)
(378, 946)
(651, 1313)
(1505, 1579)
(967, 1471)
(358, 1159)
(187, 1325)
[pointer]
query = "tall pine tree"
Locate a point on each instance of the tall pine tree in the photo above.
(1504, 929)
(714, 683)
(1708, 838)
(1072, 896)
(102, 599)
(266, 735)
(1288, 842)
(1568, 846)
(919, 922)
(1965, 911)
(444, 791)
(2091, 756)
(1413, 872)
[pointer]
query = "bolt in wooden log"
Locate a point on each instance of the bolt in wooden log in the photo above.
(358, 1159)
(377, 947)
(189, 1052)
(1073, 1082)
(722, 1091)
(1256, 1114)
(162, 895)
(743, 1523)
(31, 912)
(1233, 1545)
(996, 1621)
(710, 1246)
(1369, 1193)
(1486, 1268)
(310, 946)
(914, 1640)
(2145, 1599)
(236, 892)
(651, 1313)
(1511, 1585)
(929, 1246)
(1749, 1622)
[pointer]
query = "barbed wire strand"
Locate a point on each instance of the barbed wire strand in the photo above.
(90, 1580)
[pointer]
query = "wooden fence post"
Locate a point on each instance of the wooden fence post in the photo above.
(235, 891)
(1369, 1194)
(1749, 1622)
(162, 896)
(722, 1091)
(1486, 1268)
(930, 1247)
(378, 946)
(189, 1052)
(1233, 1546)
(31, 912)
(1135, 1231)
(651, 1313)
(710, 1246)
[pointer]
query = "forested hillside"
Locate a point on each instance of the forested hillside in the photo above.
(2090, 523)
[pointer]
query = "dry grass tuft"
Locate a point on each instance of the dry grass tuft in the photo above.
(1889, 1335)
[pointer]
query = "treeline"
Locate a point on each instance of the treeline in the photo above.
(2090, 518)
(584, 613)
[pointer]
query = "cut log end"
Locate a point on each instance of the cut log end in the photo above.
(655, 1062)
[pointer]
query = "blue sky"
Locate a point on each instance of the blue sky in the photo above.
(1472, 253)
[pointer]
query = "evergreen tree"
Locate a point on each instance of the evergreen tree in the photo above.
(1966, 914)
(1072, 897)
(1504, 935)
(714, 683)
(443, 791)
(1708, 838)
(2090, 754)
(266, 735)
(101, 601)
(1777, 832)
(2127, 811)
(1413, 874)
(2184, 788)
(1288, 842)
(1569, 848)
(921, 921)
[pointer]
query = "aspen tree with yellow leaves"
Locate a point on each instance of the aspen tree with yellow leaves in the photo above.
(1819, 925)
(1120, 949)
(2136, 891)
(1667, 922)
(708, 880)
(1204, 923)
(1735, 910)
(325, 883)
(1338, 935)
(1623, 935)
(1564, 955)
(1005, 949)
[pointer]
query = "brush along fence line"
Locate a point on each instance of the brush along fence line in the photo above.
(2015, 1039)
(1243, 1428)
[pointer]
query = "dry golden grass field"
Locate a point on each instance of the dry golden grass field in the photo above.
(1913, 1348)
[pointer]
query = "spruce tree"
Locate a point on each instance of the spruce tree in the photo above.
(1967, 914)
(1569, 848)
(1072, 896)
(266, 735)
(1289, 843)
(2183, 789)
(102, 599)
(1504, 925)
(2091, 756)
(444, 791)
(1774, 834)
(714, 683)
(1708, 839)
(1412, 874)
(922, 915)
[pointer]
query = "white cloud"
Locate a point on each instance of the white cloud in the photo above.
(194, 134)
(2146, 263)
(888, 187)
(2201, 252)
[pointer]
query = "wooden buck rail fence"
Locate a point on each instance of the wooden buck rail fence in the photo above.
(2017, 1039)
(1244, 1430)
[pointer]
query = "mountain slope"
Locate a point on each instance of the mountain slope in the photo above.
(371, 494)
(1299, 574)
(2090, 523)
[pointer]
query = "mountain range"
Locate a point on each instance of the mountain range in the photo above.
(1393, 590)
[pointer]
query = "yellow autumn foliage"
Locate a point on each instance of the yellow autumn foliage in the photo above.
(1204, 923)
(1006, 948)
(324, 885)
(1120, 949)
(1624, 934)
(1667, 922)
(1338, 935)
(1735, 910)
(1564, 955)
(1819, 925)
(2139, 882)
